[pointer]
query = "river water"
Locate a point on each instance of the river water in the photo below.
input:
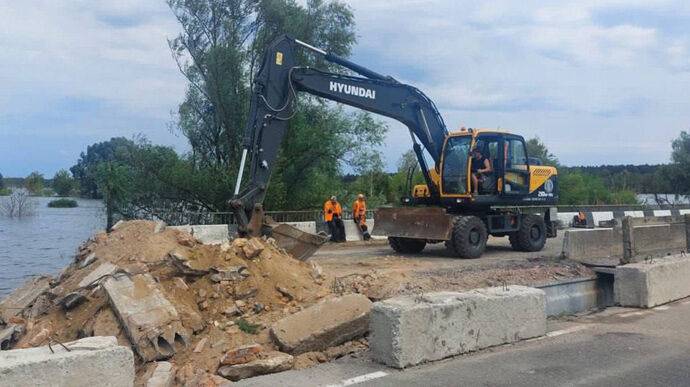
(45, 242)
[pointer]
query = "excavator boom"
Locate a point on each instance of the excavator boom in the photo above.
(275, 89)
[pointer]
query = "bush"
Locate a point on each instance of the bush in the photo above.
(63, 203)
(5, 192)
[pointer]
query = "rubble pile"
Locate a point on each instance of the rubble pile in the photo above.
(193, 314)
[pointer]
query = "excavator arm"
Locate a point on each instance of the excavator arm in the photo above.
(273, 100)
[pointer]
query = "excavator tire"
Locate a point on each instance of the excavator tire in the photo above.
(406, 245)
(531, 236)
(468, 238)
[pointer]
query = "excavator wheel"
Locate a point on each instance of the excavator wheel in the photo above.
(531, 236)
(468, 238)
(406, 245)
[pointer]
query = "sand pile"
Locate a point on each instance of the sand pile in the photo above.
(178, 299)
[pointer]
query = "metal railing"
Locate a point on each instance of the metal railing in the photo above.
(317, 215)
(278, 216)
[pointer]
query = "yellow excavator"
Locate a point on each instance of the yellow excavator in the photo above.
(478, 182)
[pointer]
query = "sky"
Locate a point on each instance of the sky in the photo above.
(600, 82)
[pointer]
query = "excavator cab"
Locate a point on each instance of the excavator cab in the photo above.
(514, 177)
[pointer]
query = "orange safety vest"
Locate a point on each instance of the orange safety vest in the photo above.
(329, 209)
(359, 211)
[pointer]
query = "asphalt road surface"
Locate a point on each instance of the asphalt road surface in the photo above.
(615, 347)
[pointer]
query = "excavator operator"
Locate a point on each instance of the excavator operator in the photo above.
(481, 166)
(332, 214)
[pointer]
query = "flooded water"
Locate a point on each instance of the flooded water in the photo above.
(45, 242)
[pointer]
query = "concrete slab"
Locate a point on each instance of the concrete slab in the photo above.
(102, 270)
(151, 322)
(587, 244)
(410, 330)
(648, 284)
(328, 323)
(23, 297)
(92, 361)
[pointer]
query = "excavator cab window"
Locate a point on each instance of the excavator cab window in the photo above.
(488, 145)
(517, 167)
(455, 158)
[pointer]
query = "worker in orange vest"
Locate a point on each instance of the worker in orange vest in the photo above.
(333, 214)
(359, 215)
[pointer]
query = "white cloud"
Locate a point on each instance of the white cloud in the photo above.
(581, 75)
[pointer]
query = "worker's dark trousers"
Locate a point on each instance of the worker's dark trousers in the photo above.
(337, 229)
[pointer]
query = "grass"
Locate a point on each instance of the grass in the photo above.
(63, 203)
(247, 327)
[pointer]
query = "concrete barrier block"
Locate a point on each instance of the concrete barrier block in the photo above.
(586, 244)
(409, 330)
(92, 361)
(653, 237)
(325, 324)
(648, 284)
(662, 212)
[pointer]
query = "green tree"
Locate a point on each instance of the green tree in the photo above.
(408, 174)
(117, 149)
(34, 183)
(219, 52)
(678, 173)
(2, 182)
(113, 180)
(63, 183)
(536, 148)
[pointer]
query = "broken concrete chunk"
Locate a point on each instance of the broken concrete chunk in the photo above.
(242, 292)
(160, 226)
(241, 355)
(186, 239)
(40, 337)
(232, 311)
(23, 297)
(72, 300)
(179, 282)
(163, 375)
(149, 319)
(232, 273)
(285, 292)
(105, 269)
(10, 335)
(40, 306)
(200, 345)
(252, 248)
(183, 265)
(269, 363)
(91, 258)
(328, 323)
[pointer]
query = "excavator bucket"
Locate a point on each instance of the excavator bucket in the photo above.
(430, 223)
(298, 243)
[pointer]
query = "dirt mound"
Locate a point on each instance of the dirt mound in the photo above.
(224, 296)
